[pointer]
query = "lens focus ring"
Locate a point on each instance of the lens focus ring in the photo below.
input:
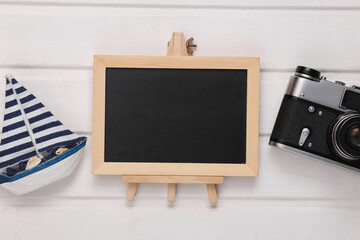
(345, 136)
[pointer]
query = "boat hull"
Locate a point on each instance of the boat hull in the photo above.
(44, 177)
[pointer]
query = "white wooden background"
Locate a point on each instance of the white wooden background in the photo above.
(48, 45)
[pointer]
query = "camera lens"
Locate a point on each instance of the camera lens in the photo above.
(345, 136)
(354, 136)
(309, 73)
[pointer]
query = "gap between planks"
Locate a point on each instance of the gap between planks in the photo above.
(180, 5)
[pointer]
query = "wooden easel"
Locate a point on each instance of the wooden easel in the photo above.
(176, 47)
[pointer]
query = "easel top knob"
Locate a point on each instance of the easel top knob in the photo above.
(190, 45)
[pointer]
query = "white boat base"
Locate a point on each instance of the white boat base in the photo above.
(44, 177)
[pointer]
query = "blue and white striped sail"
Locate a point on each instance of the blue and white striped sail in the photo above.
(29, 129)
(16, 142)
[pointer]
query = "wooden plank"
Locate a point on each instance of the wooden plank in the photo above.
(271, 34)
(289, 4)
(109, 219)
(173, 179)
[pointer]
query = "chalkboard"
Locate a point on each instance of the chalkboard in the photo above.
(175, 115)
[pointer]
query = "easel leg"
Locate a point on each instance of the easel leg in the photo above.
(212, 193)
(171, 192)
(131, 191)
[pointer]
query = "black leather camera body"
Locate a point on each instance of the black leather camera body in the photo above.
(320, 119)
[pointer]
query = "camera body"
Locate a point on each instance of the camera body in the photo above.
(320, 119)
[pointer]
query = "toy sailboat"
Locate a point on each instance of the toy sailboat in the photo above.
(36, 149)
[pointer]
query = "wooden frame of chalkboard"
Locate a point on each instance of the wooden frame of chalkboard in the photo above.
(249, 168)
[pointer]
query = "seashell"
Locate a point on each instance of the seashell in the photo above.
(33, 162)
(60, 151)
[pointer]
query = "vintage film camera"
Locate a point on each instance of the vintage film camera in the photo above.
(320, 119)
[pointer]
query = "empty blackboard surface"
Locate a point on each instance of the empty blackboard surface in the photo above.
(175, 115)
